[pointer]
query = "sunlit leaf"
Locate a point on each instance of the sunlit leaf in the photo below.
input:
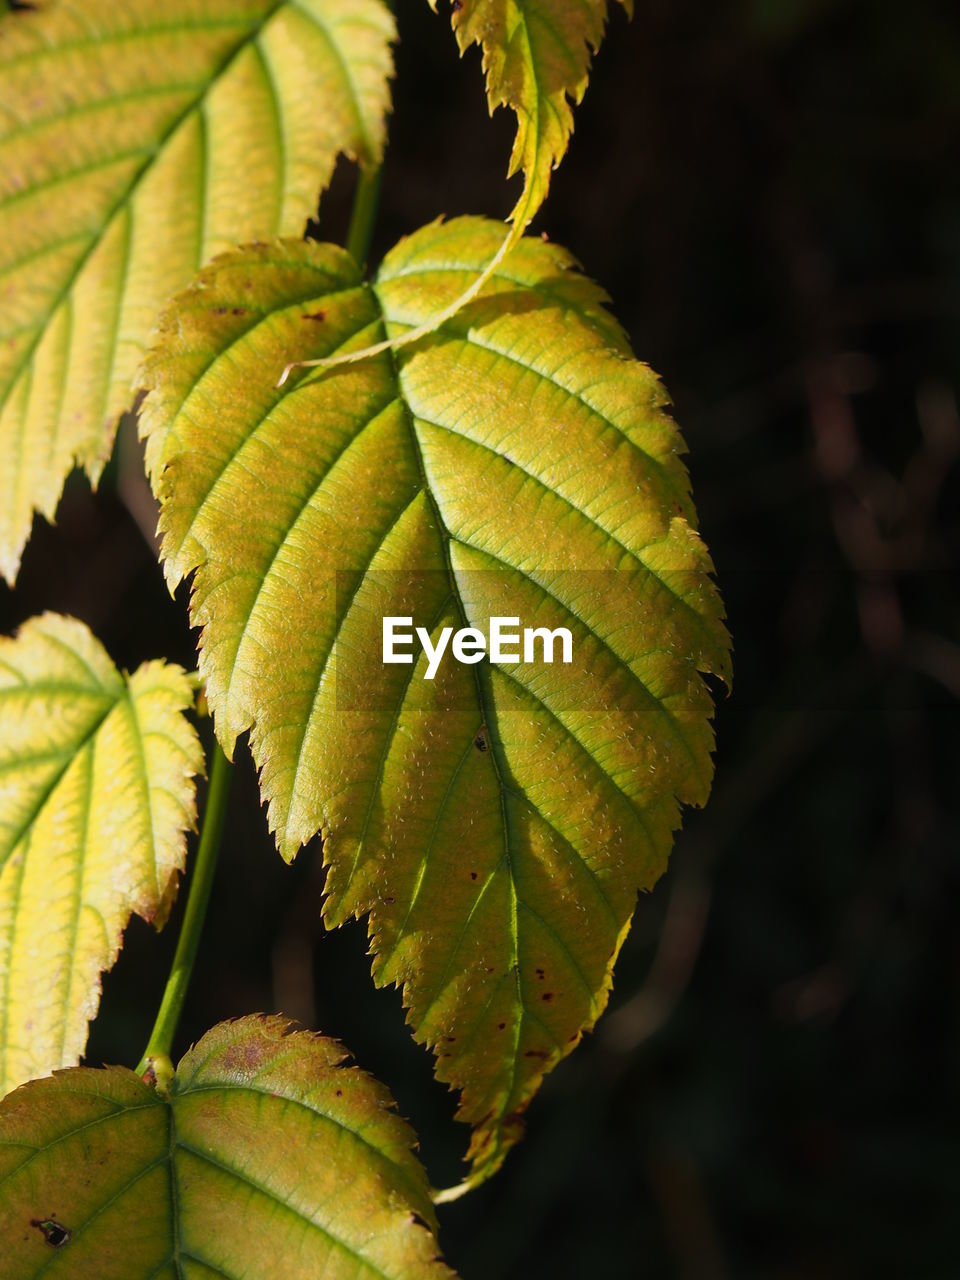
(536, 59)
(96, 796)
(269, 1157)
(136, 140)
(497, 821)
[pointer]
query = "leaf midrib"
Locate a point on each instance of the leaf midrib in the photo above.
(487, 709)
(89, 754)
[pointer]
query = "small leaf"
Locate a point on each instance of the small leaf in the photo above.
(496, 822)
(96, 796)
(269, 1157)
(136, 141)
(536, 58)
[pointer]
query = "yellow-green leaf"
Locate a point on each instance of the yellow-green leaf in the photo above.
(96, 796)
(536, 59)
(497, 821)
(269, 1157)
(136, 140)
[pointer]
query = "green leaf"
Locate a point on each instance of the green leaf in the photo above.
(496, 822)
(536, 59)
(96, 796)
(269, 1157)
(136, 141)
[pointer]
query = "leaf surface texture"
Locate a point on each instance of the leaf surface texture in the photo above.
(494, 823)
(136, 140)
(269, 1157)
(96, 796)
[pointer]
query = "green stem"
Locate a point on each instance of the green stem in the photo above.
(365, 202)
(155, 1063)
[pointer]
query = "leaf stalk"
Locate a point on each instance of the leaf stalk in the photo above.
(155, 1063)
(363, 217)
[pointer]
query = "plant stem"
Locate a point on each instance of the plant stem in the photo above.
(155, 1062)
(364, 215)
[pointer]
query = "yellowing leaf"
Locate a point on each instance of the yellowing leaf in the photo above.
(497, 821)
(136, 140)
(536, 58)
(269, 1158)
(96, 796)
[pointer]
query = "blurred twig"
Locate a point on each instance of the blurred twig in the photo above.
(738, 795)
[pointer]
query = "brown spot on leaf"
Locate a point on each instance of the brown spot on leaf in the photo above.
(239, 311)
(480, 741)
(319, 316)
(246, 1056)
(473, 875)
(536, 1053)
(547, 995)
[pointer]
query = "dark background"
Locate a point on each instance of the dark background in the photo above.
(770, 190)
